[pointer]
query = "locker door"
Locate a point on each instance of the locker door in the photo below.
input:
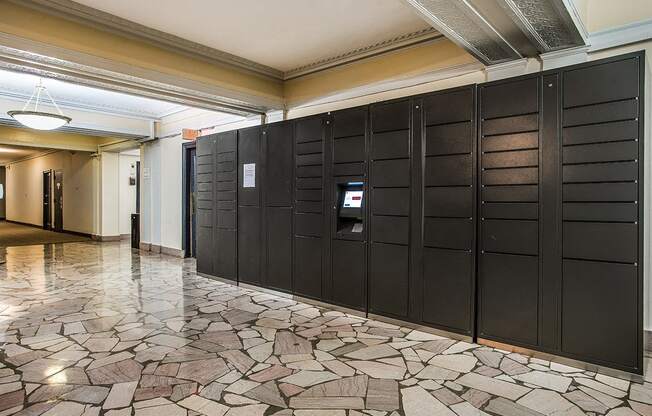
(602, 182)
(389, 227)
(250, 231)
(348, 283)
(205, 203)
(225, 185)
(278, 146)
(449, 210)
(508, 272)
(309, 218)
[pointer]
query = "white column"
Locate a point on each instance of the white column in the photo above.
(109, 196)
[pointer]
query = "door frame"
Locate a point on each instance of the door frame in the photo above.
(186, 169)
(47, 213)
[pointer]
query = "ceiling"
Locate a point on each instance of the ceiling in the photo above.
(9, 153)
(282, 34)
(19, 86)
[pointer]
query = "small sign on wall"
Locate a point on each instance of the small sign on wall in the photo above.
(249, 175)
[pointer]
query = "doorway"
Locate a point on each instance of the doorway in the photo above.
(189, 199)
(57, 200)
(47, 198)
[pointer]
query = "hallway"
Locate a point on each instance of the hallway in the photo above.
(12, 234)
(92, 328)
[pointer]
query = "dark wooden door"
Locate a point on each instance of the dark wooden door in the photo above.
(47, 200)
(57, 200)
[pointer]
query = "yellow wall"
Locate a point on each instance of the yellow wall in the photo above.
(606, 14)
(406, 62)
(51, 139)
(41, 27)
(24, 190)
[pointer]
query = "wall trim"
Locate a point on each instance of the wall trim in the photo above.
(392, 84)
(169, 251)
(506, 69)
(376, 49)
(564, 57)
(621, 35)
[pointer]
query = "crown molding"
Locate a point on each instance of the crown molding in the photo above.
(89, 16)
(79, 13)
(621, 35)
(389, 45)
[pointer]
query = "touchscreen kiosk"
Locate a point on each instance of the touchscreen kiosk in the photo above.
(350, 207)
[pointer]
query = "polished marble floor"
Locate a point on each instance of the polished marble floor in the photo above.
(96, 329)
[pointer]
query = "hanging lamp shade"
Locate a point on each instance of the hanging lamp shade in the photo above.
(31, 117)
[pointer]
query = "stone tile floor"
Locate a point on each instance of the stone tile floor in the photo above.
(94, 329)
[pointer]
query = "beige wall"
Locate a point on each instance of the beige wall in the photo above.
(25, 189)
(600, 15)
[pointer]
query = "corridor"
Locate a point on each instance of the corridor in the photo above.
(90, 329)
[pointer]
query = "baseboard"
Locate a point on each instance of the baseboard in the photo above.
(40, 227)
(27, 224)
(105, 238)
(144, 246)
(125, 236)
(175, 252)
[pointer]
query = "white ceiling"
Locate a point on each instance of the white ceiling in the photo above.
(9, 153)
(282, 34)
(19, 86)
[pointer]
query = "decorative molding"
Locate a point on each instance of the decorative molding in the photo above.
(548, 24)
(87, 130)
(25, 55)
(621, 35)
(392, 84)
(465, 26)
(89, 16)
(564, 57)
(506, 69)
(104, 108)
(376, 49)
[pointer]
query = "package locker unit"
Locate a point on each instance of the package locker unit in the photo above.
(509, 211)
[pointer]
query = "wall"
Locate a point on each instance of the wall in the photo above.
(25, 189)
(127, 193)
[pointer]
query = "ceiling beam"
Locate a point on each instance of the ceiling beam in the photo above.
(463, 24)
(499, 31)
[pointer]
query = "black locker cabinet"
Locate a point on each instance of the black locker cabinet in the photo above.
(225, 230)
(278, 175)
(205, 203)
(560, 236)
(389, 220)
(509, 227)
(250, 229)
(348, 132)
(448, 221)
(602, 194)
(309, 209)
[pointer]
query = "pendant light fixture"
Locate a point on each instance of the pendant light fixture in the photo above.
(39, 120)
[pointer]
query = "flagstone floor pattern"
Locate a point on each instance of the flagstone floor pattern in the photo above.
(90, 329)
